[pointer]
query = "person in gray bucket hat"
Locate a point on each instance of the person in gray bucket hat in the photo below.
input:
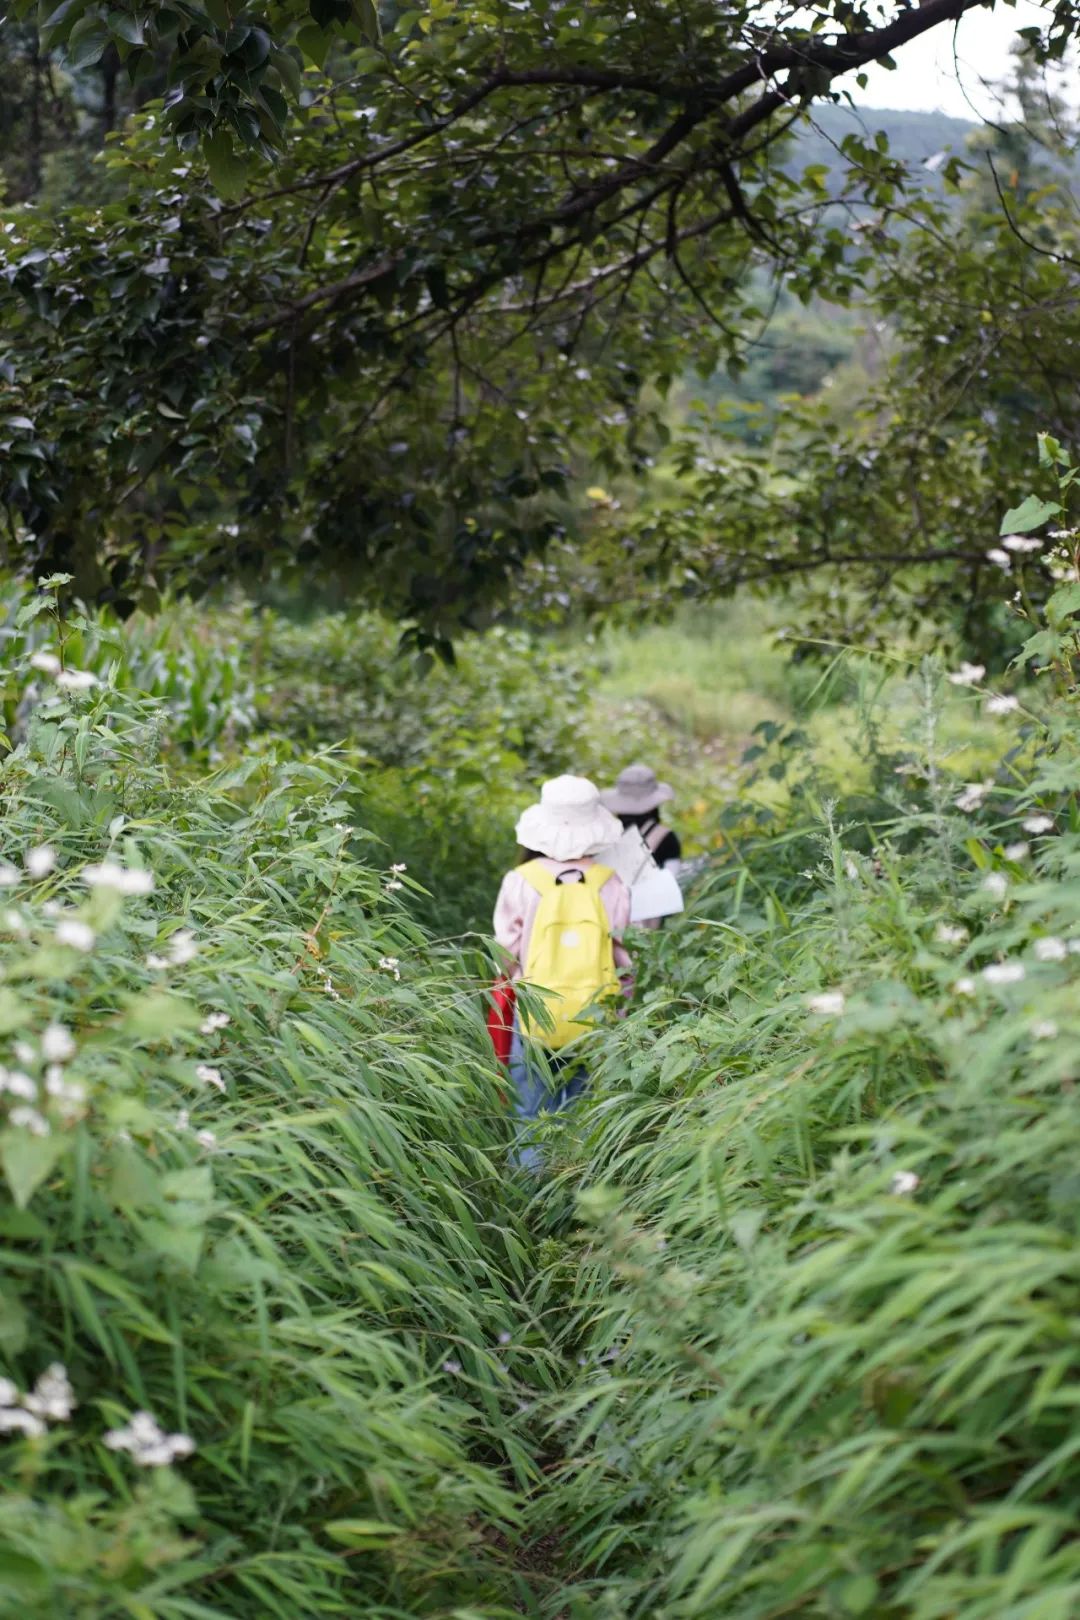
(636, 799)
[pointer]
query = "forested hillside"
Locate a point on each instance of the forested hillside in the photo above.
(401, 408)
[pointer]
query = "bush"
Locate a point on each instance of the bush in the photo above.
(819, 1319)
(253, 1154)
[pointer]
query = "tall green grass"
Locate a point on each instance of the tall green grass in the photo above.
(264, 1197)
(819, 1314)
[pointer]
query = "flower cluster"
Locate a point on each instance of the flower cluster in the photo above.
(182, 948)
(147, 1444)
(390, 964)
(972, 796)
(56, 1048)
(123, 879)
(52, 1400)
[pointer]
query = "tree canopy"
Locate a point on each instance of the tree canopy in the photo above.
(364, 293)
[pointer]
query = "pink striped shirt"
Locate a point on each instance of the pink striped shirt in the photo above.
(518, 903)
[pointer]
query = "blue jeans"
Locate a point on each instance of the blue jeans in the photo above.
(536, 1092)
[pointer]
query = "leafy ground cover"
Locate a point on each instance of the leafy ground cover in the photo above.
(788, 1329)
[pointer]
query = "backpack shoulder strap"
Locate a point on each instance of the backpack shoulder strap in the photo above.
(597, 876)
(537, 876)
(656, 835)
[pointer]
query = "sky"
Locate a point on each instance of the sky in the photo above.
(928, 79)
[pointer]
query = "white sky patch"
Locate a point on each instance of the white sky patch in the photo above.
(956, 70)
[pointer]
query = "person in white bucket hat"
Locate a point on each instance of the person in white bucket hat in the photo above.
(559, 837)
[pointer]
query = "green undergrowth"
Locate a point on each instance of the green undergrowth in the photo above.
(255, 1185)
(787, 1328)
(813, 1244)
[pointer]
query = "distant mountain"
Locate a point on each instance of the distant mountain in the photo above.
(914, 137)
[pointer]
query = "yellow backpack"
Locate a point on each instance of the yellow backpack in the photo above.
(571, 960)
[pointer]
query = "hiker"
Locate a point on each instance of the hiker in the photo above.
(636, 799)
(560, 916)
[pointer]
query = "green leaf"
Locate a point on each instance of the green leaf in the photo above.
(26, 1161)
(14, 1325)
(155, 1014)
(31, 610)
(1030, 514)
(14, 1013)
(228, 172)
(858, 1594)
(86, 42)
(314, 43)
(1064, 602)
(288, 71)
(363, 1532)
(126, 27)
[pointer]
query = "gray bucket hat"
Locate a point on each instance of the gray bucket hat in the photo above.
(636, 792)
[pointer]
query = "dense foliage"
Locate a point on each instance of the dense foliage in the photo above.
(787, 1328)
(489, 241)
(252, 1155)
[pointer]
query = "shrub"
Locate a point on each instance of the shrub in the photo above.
(819, 1319)
(253, 1155)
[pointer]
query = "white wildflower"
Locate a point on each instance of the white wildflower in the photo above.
(968, 674)
(328, 988)
(964, 986)
(156, 963)
(57, 1045)
(851, 870)
(399, 867)
(124, 879)
(9, 875)
(76, 680)
(215, 1021)
(18, 1084)
(147, 1443)
(390, 964)
(343, 827)
(950, 934)
(40, 861)
(1038, 824)
(451, 1366)
(1003, 972)
(28, 1119)
(210, 1076)
(903, 1183)
(205, 1139)
(182, 947)
(1002, 703)
(1051, 950)
(46, 661)
(1021, 542)
(1002, 558)
(61, 1088)
(9, 1393)
(996, 885)
(25, 1053)
(393, 886)
(1017, 852)
(972, 796)
(79, 935)
(829, 1003)
(1044, 1029)
(13, 1418)
(52, 1397)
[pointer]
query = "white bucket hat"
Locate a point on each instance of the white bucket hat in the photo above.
(636, 792)
(569, 821)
